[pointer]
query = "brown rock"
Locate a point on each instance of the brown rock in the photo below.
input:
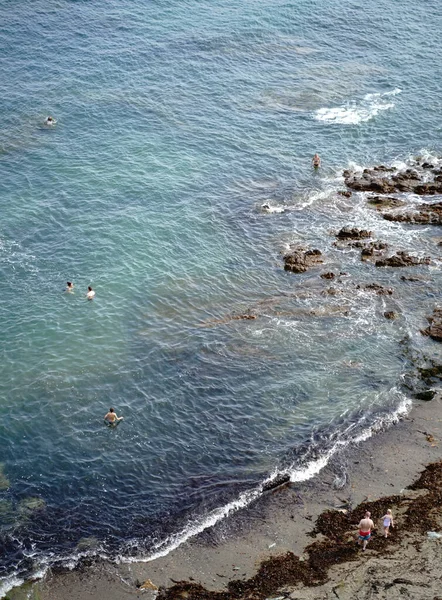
(390, 314)
(353, 233)
(385, 202)
(299, 261)
(402, 259)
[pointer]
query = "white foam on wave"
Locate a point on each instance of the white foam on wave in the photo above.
(315, 466)
(204, 522)
(269, 208)
(8, 583)
(355, 112)
(197, 526)
(296, 474)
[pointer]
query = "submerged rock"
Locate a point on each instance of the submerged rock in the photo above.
(27, 506)
(402, 259)
(299, 261)
(329, 275)
(87, 543)
(7, 513)
(4, 481)
(385, 202)
(376, 287)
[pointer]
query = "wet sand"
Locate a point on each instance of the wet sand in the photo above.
(281, 522)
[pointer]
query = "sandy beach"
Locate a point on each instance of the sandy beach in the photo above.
(289, 544)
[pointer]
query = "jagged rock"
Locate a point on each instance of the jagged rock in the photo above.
(379, 289)
(344, 193)
(390, 314)
(353, 233)
(329, 275)
(402, 259)
(388, 180)
(426, 214)
(369, 249)
(385, 202)
(435, 328)
(299, 261)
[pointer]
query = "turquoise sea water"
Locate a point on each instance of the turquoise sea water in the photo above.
(176, 121)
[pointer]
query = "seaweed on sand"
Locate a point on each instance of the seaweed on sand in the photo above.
(337, 545)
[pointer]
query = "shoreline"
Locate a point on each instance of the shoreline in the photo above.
(279, 522)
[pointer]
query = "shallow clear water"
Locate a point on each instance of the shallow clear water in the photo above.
(175, 123)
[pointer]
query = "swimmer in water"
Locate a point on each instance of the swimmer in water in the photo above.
(69, 287)
(316, 161)
(50, 121)
(111, 418)
(90, 293)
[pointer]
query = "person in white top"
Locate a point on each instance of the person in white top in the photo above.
(387, 521)
(90, 293)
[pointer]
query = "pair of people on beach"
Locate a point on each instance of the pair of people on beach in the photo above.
(70, 290)
(366, 526)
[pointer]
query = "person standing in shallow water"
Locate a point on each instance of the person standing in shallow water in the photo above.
(111, 417)
(316, 161)
(90, 293)
(365, 528)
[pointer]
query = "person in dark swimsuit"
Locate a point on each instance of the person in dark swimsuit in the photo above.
(111, 418)
(316, 161)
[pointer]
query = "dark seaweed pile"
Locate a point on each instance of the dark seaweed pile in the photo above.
(337, 545)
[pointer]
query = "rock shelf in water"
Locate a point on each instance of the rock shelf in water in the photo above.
(423, 179)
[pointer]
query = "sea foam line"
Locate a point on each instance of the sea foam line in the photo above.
(244, 499)
(296, 474)
(355, 112)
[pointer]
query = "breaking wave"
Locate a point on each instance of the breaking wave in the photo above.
(355, 112)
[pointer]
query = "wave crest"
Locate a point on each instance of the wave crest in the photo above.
(355, 112)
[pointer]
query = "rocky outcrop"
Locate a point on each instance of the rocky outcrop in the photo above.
(353, 233)
(390, 314)
(376, 287)
(435, 328)
(402, 259)
(423, 179)
(384, 202)
(299, 261)
(425, 214)
(372, 248)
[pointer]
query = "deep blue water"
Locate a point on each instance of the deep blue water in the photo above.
(176, 121)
